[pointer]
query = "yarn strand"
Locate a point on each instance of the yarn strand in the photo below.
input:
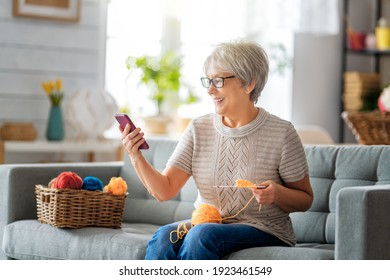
(180, 233)
(182, 229)
(246, 205)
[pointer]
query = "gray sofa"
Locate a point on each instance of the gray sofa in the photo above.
(349, 218)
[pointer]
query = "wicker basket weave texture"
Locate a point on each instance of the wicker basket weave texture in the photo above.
(18, 132)
(369, 128)
(66, 208)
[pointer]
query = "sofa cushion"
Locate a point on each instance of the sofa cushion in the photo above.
(31, 240)
(141, 206)
(306, 252)
(332, 168)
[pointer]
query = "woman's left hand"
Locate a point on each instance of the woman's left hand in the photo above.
(266, 193)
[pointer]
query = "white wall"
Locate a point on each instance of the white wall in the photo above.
(33, 50)
(316, 82)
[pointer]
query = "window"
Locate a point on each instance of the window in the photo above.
(192, 28)
(131, 30)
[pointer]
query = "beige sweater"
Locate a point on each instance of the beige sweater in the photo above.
(268, 148)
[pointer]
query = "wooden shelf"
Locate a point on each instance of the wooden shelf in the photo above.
(369, 52)
(375, 54)
(42, 146)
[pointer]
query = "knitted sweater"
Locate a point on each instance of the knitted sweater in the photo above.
(268, 148)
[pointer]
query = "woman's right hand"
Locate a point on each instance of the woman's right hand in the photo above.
(131, 141)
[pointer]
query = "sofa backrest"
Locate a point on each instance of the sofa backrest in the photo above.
(141, 207)
(331, 168)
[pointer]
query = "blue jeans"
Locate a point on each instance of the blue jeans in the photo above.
(207, 242)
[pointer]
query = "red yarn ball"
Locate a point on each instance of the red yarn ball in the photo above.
(68, 180)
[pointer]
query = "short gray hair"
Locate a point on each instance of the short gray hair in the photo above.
(247, 60)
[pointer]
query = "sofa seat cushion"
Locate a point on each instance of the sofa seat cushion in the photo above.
(299, 252)
(29, 239)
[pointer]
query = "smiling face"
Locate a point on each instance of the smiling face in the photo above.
(246, 59)
(235, 101)
(233, 98)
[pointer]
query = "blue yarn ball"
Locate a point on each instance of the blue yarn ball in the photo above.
(91, 183)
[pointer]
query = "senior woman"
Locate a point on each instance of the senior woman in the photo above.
(238, 141)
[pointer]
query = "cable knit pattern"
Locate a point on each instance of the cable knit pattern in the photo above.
(268, 148)
(234, 154)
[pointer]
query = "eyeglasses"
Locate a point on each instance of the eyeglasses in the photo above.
(217, 82)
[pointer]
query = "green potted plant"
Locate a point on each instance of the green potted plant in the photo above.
(162, 76)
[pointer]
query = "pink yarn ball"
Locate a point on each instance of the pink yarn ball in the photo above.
(384, 100)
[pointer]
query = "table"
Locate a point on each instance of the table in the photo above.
(40, 146)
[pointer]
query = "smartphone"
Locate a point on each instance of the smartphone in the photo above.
(123, 120)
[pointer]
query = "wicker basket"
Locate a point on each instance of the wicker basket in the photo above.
(369, 128)
(18, 132)
(66, 208)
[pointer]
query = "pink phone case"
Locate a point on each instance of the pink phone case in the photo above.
(123, 120)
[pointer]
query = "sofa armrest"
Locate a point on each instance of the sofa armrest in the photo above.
(17, 186)
(363, 223)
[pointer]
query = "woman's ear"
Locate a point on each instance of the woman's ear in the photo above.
(249, 88)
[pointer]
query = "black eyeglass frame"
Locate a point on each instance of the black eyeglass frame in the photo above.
(211, 81)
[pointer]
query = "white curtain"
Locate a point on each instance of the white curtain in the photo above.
(308, 16)
(318, 16)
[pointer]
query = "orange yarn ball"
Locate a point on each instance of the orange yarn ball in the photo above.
(206, 213)
(50, 185)
(68, 180)
(116, 186)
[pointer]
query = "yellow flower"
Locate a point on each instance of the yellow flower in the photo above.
(53, 91)
(58, 85)
(48, 87)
